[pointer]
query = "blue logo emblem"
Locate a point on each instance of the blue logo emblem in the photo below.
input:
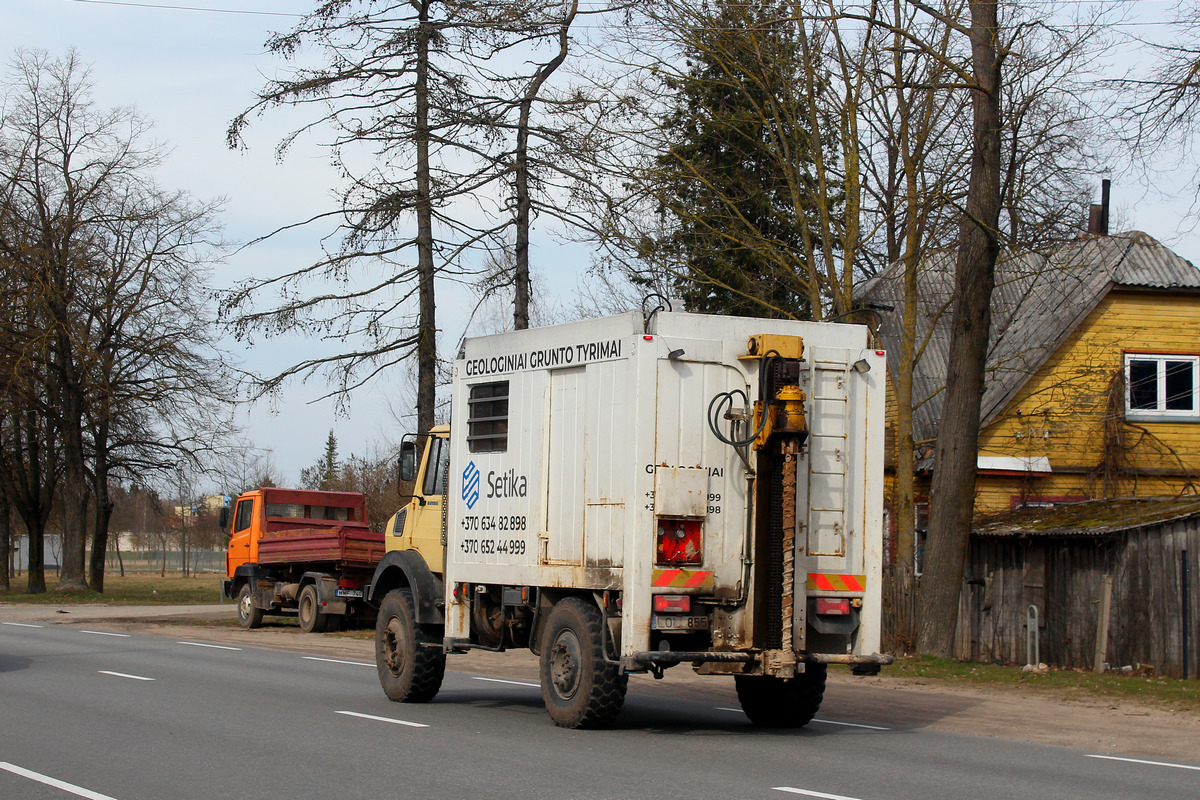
(470, 490)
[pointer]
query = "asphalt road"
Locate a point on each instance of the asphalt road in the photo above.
(93, 713)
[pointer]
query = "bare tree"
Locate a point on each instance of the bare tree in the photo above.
(110, 270)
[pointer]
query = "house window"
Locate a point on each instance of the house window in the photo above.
(1160, 386)
(487, 418)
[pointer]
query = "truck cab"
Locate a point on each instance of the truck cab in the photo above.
(420, 525)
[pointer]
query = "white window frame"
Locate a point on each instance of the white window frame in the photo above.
(1162, 412)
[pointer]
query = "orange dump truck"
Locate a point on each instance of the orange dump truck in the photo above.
(299, 551)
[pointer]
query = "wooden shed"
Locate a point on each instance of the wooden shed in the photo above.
(1057, 558)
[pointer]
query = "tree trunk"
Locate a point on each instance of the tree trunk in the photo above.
(36, 571)
(101, 511)
(75, 496)
(5, 541)
(952, 496)
(903, 584)
(904, 495)
(426, 269)
(521, 178)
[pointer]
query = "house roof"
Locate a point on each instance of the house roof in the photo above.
(1089, 517)
(1039, 299)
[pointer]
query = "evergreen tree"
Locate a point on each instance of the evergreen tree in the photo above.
(326, 473)
(733, 183)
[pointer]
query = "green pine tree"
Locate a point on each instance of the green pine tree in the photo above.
(733, 185)
(326, 473)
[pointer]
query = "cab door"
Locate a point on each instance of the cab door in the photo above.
(243, 544)
(422, 517)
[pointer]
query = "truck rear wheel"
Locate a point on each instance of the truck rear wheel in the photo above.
(580, 688)
(312, 619)
(249, 615)
(782, 702)
(409, 671)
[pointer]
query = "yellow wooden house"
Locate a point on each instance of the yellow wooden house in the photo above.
(1088, 474)
(1093, 381)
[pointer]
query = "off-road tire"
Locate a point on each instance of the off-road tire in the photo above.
(409, 671)
(249, 615)
(782, 702)
(312, 619)
(579, 687)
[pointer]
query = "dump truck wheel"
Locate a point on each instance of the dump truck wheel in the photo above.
(249, 615)
(782, 702)
(580, 688)
(409, 671)
(312, 619)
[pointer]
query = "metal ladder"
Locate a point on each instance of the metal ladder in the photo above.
(840, 368)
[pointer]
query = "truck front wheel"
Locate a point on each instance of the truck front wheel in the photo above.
(409, 671)
(580, 688)
(312, 620)
(249, 615)
(782, 702)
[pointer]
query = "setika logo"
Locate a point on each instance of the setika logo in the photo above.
(470, 489)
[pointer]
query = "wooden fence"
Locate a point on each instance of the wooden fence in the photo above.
(1064, 577)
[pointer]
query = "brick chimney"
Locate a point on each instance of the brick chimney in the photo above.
(1098, 214)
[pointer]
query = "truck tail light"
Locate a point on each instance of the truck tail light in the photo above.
(672, 603)
(349, 583)
(679, 542)
(827, 605)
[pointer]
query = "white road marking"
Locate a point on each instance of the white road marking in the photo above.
(57, 784)
(1151, 763)
(106, 633)
(807, 793)
(22, 625)
(852, 724)
(337, 661)
(501, 680)
(125, 675)
(826, 721)
(383, 719)
(214, 646)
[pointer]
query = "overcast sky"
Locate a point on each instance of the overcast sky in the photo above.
(192, 71)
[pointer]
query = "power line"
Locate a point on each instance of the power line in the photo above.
(1125, 24)
(190, 8)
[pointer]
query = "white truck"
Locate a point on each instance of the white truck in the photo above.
(635, 492)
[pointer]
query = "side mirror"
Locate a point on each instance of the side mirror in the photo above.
(223, 521)
(408, 461)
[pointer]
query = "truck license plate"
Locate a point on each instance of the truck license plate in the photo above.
(348, 593)
(674, 623)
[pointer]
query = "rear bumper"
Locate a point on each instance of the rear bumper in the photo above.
(668, 658)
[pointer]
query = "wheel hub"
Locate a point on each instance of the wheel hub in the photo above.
(565, 664)
(393, 653)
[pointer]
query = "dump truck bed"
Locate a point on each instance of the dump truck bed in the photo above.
(345, 545)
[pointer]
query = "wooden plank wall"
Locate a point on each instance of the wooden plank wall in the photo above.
(1062, 576)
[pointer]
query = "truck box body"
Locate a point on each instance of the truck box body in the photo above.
(573, 448)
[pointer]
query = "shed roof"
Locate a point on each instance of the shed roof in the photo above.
(1089, 517)
(1039, 299)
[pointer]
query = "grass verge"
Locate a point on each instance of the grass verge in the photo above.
(131, 589)
(1171, 694)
